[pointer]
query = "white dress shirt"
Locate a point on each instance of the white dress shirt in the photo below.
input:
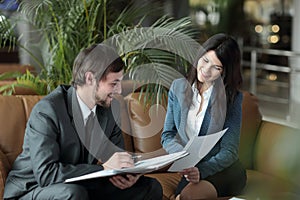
(195, 118)
(85, 109)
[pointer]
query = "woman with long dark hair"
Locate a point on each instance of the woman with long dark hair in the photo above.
(207, 101)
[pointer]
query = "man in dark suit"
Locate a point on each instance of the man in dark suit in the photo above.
(57, 145)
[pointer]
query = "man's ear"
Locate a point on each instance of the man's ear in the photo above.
(89, 77)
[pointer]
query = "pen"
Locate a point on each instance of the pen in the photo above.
(135, 158)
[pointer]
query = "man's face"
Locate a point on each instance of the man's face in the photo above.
(106, 89)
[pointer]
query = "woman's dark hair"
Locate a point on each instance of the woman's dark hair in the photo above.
(228, 52)
(99, 59)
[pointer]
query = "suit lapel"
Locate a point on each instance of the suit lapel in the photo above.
(77, 120)
(101, 147)
(184, 108)
(76, 114)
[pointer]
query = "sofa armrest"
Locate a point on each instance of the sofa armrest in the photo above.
(251, 121)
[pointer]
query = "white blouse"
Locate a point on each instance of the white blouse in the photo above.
(195, 119)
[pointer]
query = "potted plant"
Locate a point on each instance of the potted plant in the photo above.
(65, 27)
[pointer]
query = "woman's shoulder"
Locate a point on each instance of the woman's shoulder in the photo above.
(179, 84)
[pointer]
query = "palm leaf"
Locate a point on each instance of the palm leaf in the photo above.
(7, 36)
(7, 89)
(157, 54)
(10, 75)
(166, 48)
(29, 80)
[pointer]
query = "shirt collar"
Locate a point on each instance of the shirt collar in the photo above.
(206, 94)
(84, 108)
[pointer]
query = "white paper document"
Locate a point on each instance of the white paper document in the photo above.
(141, 167)
(198, 147)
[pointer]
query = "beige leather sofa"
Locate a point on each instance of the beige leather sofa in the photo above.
(269, 151)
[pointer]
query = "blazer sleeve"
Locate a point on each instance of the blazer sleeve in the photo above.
(229, 144)
(169, 138)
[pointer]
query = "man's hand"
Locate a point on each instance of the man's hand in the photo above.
(119, 160)
(124, 182)
(191, 174)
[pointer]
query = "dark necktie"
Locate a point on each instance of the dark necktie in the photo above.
(89, 126)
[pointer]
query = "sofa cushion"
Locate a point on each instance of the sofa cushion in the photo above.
(4, 169)
(263, 186)
(277, 152)
(146, 124)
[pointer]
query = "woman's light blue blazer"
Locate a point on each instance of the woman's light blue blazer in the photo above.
(173, 138)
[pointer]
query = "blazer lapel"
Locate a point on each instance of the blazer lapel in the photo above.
(77, 120)
(184, 108)
(75, 112)
(101, 146)
(206, 121)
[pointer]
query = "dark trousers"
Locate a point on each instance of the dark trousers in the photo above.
(96, 189)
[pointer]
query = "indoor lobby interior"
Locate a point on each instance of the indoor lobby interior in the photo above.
(267, 32)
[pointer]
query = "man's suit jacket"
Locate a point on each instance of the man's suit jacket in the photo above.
(52, 149)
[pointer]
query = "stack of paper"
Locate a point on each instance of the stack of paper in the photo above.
(141, 167)
(194, 151)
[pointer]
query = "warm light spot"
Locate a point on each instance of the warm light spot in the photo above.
(275, 28)
(272, 77)
(259, 28)
(273, 39)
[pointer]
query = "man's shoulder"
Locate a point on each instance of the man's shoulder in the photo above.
(55, 98)
(58, 93)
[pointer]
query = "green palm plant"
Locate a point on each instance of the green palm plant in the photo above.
(65, 27)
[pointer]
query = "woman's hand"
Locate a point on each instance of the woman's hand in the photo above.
(125, 181)
(191, 174)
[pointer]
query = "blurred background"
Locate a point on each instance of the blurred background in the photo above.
(266, 30)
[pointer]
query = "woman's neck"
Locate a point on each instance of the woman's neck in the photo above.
(202, 87)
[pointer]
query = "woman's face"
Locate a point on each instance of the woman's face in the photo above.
(209, 68)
